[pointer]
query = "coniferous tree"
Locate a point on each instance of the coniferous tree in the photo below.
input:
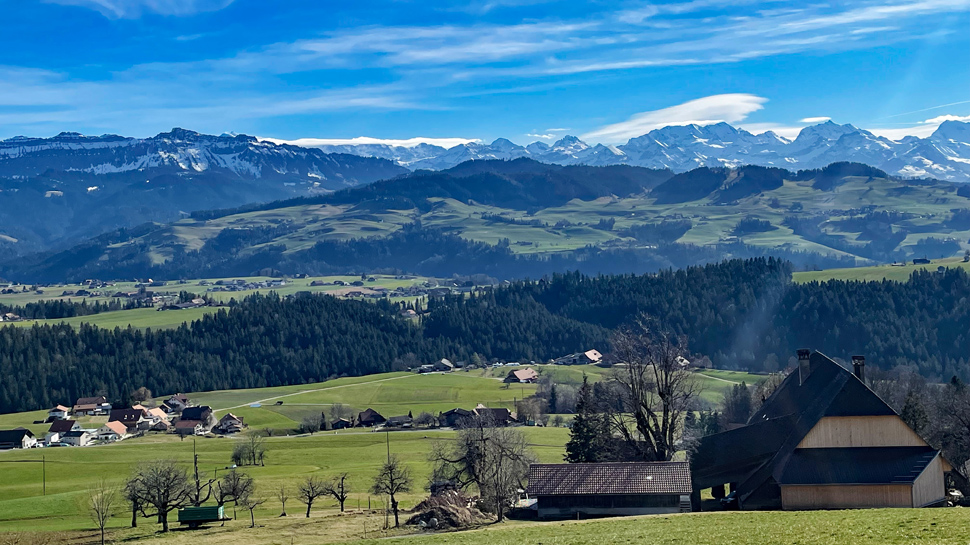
(589, 433)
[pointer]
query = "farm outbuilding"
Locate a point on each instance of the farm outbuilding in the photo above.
(610, 489)
(822, 440)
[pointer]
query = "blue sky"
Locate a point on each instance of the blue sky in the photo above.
(480, 69)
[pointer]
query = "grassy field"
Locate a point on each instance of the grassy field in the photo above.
(879, 272)
(153, 318)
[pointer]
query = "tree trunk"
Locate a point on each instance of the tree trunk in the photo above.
(164, 517)
(341, 506)
(252, 518)
(102, 535)
(397, 523)
(134, 517)
(308, 510)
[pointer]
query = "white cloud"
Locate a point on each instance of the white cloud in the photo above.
(541, 136)
(558, 129)
(921, 129)
(132, 9)
(362, 140)
(821, 119)
(729, 108)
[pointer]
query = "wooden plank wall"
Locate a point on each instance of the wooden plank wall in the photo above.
(861, 431)
(930, 487)
(845, 496)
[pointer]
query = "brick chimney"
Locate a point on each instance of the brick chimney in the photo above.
(804, 367)
(859, 367)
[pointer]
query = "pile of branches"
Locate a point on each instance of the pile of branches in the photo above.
(448, 510)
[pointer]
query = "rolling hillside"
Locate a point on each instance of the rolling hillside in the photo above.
(522, 218)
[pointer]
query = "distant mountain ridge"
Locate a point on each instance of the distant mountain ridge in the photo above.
(944, 155)
(56, 191)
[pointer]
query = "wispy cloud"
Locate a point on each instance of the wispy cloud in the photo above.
(132, 9)
(729, 108)
(541, 136)
(922, 129)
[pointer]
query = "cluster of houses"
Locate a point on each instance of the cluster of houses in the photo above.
(242, 285)
(176, 415)
(453, 418)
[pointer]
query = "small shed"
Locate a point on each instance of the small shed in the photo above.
(610, 489)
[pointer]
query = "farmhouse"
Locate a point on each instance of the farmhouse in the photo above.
(495, 417)
(59, 427)
(522, 376)
(610, 489)
(444, 365)
(370, 418)
(175, 403)
(112, 431)
(190, 427)
(17, 438)
(455, 418)
(341, 424)
(58, 412)
(77, 438)
(131, 418)
(399, 421)
(580, 358)
(230, 423)
(88, 406)
(823, 440)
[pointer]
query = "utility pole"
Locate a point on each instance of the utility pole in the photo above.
(43, 463)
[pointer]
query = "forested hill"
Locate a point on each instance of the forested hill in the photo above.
(519, 219)
(742, 314)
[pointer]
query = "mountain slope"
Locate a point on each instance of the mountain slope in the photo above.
(944, 155)
(56, 191)
(521, 218)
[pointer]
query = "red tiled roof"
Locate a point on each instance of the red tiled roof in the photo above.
(609, 478)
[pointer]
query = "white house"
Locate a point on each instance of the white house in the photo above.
(112, 431)
(78, 438)
(59, 412)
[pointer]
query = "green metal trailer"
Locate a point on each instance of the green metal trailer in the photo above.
(193, 517)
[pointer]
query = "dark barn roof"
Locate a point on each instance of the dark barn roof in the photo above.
(61, 426)
(196, 413)
(873, 465)
(623, 478)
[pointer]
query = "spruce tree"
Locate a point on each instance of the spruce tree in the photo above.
(588, 432)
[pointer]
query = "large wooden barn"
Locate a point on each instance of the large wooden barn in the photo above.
(822, 440)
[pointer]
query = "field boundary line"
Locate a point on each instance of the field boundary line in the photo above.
(309, 392)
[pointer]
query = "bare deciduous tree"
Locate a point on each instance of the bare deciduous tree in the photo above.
(393, 479)
(102, 504)
(311, 424)
(252, 503)
(309, 490)
(656, 389)
(494, 459)
(282, 495)
(162, 486)
(339, 489)
(234, 486)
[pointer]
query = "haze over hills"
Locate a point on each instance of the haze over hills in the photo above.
(944, 155)
(522, 218)
(56, 191)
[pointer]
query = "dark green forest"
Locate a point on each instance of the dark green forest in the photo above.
(742, 314)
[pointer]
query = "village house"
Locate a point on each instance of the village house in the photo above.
(175, 404)
(17, 439)
(495, 417)
(455, 418)
(580, 358)
(399, 421)
(78, 438)
(444, 365)
(133, 419)
(58, 412)
(610, 489)
(230, 423)
(90, 406)
(370, 418)
(197, 419)
(522, 376)
(59, 427)
(341, 424)
(112, 431)
(822, 440)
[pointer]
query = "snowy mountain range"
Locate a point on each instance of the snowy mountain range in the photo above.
(944, 155)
